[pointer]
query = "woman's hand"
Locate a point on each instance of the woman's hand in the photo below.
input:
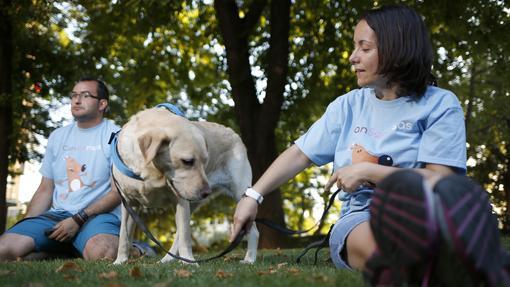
(245, 214)
(349, 178)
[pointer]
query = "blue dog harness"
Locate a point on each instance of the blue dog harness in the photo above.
(117, 160)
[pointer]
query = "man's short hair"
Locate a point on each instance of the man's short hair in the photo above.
(102, 89)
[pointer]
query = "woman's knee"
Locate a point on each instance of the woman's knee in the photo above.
(101, 246)
(360, 246)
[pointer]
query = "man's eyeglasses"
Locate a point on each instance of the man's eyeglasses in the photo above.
(83, 95)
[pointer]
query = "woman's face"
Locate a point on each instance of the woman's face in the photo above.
(365, 57)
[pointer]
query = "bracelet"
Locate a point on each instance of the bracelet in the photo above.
(78, 219)
(250, 192)
(81, 217)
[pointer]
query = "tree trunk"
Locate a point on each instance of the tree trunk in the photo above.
(258, 121)
(5, 104)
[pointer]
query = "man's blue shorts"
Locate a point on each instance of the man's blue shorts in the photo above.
(105, 223)
(354, 212)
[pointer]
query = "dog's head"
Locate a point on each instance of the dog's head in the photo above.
(181, 155)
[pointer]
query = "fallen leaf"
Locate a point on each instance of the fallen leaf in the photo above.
(135, 272)
(280, 265)
(293, 270)
(6, 272)
(271, 270)
(108, 275)
(231, 258)
(69, 266)
(222, 274)
(182, 273)
(278, 251)
(69, 277)
(322, 278)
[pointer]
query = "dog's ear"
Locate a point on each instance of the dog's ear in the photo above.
(150, 142)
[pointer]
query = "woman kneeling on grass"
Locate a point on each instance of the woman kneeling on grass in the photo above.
(413, 137)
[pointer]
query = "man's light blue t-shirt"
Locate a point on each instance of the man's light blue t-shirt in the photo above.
(411, 131)
(78, 161)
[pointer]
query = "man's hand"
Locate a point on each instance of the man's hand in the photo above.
(245, 214)
(65, 230)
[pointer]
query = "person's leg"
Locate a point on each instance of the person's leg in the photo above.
(403, 225)
(360, 246)
(469, 230)
(101, 246)
(98, 238)
(421, 233)
(14, 246)
(351, 241)
(27, 237)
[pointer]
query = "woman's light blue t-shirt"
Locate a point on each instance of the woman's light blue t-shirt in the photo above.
(412, 131)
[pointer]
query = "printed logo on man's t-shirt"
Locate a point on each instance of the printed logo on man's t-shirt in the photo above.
(75, 171)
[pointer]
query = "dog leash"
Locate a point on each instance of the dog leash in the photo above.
(237, 240)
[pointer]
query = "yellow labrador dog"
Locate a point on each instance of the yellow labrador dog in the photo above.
(180, 162)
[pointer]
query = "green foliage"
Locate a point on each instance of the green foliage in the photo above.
(273, 268)
(39, 43)
(155, 51)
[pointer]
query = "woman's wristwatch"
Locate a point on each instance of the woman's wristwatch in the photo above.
(250, 192)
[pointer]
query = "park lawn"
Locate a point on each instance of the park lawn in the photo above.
(273, 268)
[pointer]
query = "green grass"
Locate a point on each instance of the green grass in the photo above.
(273, 268)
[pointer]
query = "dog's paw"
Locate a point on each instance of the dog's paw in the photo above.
(247, 261)
(167, 259)
(119, 261)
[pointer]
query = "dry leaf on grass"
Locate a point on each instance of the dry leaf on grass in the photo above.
(271, 270)
(114, 285)
(6, 272)
(182, 273)
(69, 266)
(321, 278)
(280, 265)
(108, 275)
(135, 272)
(222, 274)
(162, 284)
(231, 258)
(293, 270)
(69, 277)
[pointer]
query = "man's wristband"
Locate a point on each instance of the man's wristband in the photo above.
(81, 217)
(250, 192)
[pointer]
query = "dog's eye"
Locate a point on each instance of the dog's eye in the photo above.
(188, 162)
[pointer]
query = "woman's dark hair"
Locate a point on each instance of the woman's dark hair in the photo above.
(404, 47)
(102, 89)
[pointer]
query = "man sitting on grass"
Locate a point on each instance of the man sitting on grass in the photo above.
(75, 208)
